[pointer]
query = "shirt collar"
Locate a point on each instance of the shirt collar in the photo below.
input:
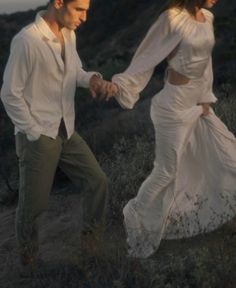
(43, 27)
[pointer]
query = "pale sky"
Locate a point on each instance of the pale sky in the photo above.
(10, 6)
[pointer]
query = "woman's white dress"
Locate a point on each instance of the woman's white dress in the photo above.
(192, 187)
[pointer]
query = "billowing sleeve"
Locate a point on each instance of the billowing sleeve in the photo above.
(160, 40)
(208, 95)
(130, 86)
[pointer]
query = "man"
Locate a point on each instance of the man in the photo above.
(38, 94)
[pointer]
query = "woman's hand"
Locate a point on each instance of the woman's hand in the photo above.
(102, 89)
(205, 109)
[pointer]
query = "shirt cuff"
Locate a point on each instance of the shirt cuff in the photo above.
(92, 74)
(33, 134)
(86, 79)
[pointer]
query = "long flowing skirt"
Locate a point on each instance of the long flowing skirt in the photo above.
(192, 187)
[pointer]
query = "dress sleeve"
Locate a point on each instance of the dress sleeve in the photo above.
(208, 95)
(160, 40)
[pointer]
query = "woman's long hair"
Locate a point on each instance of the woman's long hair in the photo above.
(189, 5)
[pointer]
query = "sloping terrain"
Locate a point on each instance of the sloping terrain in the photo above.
(124, 144)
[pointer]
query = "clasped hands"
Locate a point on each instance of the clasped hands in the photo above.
(102, 89)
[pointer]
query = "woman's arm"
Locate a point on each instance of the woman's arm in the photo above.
(161, 39)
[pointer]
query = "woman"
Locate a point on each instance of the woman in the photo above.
(191, 188)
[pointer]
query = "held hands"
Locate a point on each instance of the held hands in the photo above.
(102, 88)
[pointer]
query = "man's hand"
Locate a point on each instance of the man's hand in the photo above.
(205, 108)
(102, 88)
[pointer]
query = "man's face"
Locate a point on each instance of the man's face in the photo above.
(72, 14)
(210, 3)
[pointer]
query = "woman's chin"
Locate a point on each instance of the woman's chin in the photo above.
(210, 4)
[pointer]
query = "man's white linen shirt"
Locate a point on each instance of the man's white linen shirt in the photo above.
(38, 86)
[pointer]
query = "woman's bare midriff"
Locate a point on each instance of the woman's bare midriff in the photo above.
(175, 78)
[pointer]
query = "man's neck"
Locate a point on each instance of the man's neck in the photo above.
(50, 19)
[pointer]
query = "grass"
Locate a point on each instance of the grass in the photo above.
(205, 261)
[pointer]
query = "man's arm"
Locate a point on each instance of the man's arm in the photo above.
(102, 88)
(84, 77)
(93, 80)
(16, 75)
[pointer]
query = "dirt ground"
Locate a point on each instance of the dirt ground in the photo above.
(60, 242)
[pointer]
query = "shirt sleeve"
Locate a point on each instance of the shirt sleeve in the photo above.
(16, 75)
(83, 77)
(161, 39)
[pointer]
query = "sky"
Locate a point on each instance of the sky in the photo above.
(10, 6)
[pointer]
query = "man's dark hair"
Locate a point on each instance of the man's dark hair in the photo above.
(65, 1)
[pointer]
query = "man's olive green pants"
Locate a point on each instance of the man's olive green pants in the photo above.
(38, 161)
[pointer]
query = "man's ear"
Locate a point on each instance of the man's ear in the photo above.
(58, 4)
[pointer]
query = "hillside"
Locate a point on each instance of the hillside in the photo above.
(123, 142)
(114, 29)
